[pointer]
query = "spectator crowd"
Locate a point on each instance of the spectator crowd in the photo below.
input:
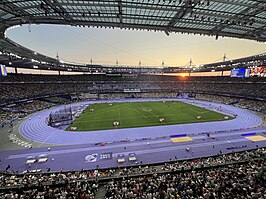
(14, 87)
(235, 175)
(22, 109)
(20, 87)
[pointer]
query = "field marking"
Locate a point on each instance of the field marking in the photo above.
(127, 104)
(105, 110)
(48, 137)
(146, 125)
(181, 139)
(83, 121)
(150, 112)
(155, 114)
(89, 116)
(145, 116)
(256, 138)
(119, 116)
(143, 151)
(147, 110)
(92, 118)
(203, 110)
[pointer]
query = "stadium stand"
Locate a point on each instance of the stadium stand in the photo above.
(22, 109)
(238, 175)
(30, 93)
(55, 85)
(254, 105)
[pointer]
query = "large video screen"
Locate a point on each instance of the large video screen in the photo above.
(259, 71)
(3, 70)
(240, 72)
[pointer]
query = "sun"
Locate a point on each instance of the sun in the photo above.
(183, 75)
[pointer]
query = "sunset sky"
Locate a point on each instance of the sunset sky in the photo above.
(105, 46)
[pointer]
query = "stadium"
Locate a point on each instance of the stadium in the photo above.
(71, 130)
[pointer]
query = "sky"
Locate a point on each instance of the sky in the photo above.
(129, 47)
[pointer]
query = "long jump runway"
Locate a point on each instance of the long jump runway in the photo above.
(81, 150)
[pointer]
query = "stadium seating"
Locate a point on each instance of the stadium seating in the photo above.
(47, 90)
(222, 176)
(205, 178)
(38, 85)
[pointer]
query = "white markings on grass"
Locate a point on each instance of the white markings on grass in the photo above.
(147, 110)
(85, 121)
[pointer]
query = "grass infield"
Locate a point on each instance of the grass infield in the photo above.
(141, 114)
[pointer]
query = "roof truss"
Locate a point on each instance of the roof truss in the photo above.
(243, 19)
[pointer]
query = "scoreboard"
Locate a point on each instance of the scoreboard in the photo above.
(3, 70)
(259, 71)
(240, 72)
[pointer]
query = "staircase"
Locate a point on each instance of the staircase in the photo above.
(101, 192)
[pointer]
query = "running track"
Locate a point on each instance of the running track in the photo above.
(37, 130)
(75, 146)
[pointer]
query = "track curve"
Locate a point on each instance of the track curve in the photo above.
(37, 130)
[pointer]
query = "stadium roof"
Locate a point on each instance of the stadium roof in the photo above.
(235, 18)
(243, 19)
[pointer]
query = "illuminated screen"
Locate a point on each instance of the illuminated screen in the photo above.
(259, 71)
(3, 70)
(240, 72)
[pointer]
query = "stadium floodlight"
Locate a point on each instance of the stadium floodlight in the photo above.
(216, 36)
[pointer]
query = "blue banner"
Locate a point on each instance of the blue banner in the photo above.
(3, 70)
(240, 72)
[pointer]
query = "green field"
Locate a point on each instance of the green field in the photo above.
(141, 114)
